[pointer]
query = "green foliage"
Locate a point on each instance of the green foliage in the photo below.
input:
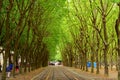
(115, 1)
(59, 22)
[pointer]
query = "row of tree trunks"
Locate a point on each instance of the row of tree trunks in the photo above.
(7, 50)
(24, 25)
(99, 45)
(117, 25)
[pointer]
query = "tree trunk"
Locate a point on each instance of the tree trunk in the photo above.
(117, 25)
(105, 44)
(97, 52)
(86, 61)
(21, 65)
(100, 59)
(105, 35)
(7, 50)
(83, 62)
(97, 63)
(105, 61)
(9, 7)
(92, 62)
(111, 60)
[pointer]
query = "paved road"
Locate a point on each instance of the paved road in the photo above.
(58, 73)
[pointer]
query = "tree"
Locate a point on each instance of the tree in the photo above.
(117, 25)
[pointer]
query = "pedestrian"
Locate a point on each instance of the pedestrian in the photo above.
(17, 68)
(9, 69)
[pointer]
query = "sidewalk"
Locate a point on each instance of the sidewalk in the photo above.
(28, 75)
(24, 76)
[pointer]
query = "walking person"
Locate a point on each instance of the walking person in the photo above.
(9, 69)
(17, 68)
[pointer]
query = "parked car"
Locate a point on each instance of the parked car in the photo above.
(51, 63)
